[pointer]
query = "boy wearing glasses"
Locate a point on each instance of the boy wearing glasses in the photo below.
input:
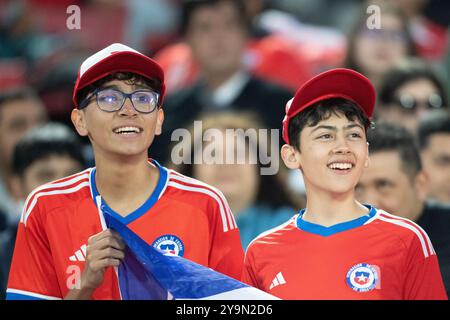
(118, 97)
(337, 248)
(410, 91)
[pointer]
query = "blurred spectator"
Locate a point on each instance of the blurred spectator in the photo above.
(13, 73)
(322, 12)
(51, 18)
(318, 47)
(259, 202)
(396, 182)
(216, 31)
(268, 54)
(20, 33)
(150, 23)
(3, 222)
(20, 111)
(428, 23)
(373, 51)
(7, 238)
(44, 154)
(408, 92)
(53, 79)
(434, 143)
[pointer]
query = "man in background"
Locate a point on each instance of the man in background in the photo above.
(44, 154)
(434, 143)
(396, 182)
(20, 111)
(217, 33)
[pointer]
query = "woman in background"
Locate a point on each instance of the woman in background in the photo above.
(258, 201)
(408, 92)
(372, 50)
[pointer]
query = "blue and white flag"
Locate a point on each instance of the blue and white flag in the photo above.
(146, 273)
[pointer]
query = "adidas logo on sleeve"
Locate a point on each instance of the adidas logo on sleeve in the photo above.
(80, 254)
(277, 281)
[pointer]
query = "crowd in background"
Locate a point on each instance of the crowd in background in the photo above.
(235, 64)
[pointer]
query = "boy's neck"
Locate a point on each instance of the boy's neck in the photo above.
(330, 209)
(125, 185)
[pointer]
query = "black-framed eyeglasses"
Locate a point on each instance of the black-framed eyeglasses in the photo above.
(112, 100)
(408, 102)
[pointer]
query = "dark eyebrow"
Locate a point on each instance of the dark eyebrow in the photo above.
(111, 86)
(353, 125)
(332, 128)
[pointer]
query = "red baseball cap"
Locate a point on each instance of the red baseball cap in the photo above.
(117, 58)
(335, 83)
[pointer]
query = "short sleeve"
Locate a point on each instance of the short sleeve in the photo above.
(249, 271)
(423, 280)
(226, 254)
(32, 275)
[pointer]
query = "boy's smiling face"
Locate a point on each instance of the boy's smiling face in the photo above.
(333, 154)
(102, 127)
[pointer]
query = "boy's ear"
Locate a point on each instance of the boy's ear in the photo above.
(159, 122)
(17, 189)
(290, 156)
(367, 161)
(421, 185)
(79, 121)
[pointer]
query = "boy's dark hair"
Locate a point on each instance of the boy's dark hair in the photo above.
(190, 6)
(407, 71)
(41, 142)
(433, 123)
(323, 110)
(129, 77)
(392, 137)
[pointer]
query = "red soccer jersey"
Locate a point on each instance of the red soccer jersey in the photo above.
(377, 256)
(183, 216)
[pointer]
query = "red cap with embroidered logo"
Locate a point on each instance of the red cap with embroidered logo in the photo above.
(335, 83)
(117, 58)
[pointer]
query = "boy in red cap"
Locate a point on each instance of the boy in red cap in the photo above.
(337, 248)
(63, 248)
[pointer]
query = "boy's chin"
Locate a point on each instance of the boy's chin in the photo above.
(130, 152)
(341, 188)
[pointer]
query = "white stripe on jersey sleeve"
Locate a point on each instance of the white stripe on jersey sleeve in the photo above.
(175, 175)
(427, 238)
(410, 227)
(25, 214)
(205, 191)
(281, 226)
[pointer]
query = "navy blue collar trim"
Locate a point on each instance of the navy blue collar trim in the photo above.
(148, 204)
(340, 227)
